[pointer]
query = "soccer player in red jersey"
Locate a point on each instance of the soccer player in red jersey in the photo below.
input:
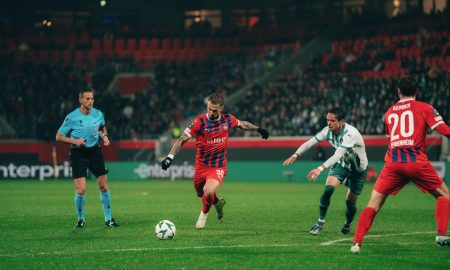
(405, 160)
(211, 132)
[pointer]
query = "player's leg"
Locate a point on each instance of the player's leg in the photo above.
(97, 166)
(442, 214)
(209, 194)
(213, 179)
(350, 211)
(388, 183)
(366, 219)
(355, 185)
(80, 200)
(331, 183)
(199, 183)
(208, 198)
(427, 179)
(219, 203)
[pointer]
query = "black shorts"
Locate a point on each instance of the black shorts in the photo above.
(87, 158)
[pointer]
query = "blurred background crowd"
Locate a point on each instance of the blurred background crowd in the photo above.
(43, 68)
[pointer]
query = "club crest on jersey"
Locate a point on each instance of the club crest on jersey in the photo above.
(224, 126)
(208, 129)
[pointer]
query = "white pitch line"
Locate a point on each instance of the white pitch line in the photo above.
(328, 243)
(74, 252)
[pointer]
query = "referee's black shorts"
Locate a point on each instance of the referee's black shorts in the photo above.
(90, 158)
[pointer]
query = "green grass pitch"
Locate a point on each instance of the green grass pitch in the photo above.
(265, 227)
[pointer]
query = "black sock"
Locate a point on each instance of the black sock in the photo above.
(351, 211)
(325, 200)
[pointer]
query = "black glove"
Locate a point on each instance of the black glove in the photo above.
(165, 164)
(264, 133)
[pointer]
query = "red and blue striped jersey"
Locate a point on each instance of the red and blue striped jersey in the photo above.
(211, 139)
(406, 123)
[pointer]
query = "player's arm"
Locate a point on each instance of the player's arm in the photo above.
(103, 134)
(244, 125)
(435, 121)
(165, 164)
(301, 150)
(443, 129)
(61, 138)
(340, 152)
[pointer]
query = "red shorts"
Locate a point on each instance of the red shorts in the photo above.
(202, 174)
(394, 176)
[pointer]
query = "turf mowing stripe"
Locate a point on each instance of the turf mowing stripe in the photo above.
(328, 243)
(69, 252)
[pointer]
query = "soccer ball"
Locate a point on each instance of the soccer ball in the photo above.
(165, 230)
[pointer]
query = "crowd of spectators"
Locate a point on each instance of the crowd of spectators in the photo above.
(296, 104)
(37, 95)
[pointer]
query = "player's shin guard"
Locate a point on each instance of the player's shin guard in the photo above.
(207, 202)
(105, 198)
(80, 201)
(350, 212)
(442, 213)
(364, 223)
(325, 201)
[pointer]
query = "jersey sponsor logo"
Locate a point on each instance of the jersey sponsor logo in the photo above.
(439, 118)
(216, 140)
(402, 143)
(401, 107)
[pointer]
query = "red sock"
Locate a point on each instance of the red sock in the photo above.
(207, 202)
(364, 224)
(442, 212)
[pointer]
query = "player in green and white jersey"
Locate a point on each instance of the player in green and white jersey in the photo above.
(347, 166)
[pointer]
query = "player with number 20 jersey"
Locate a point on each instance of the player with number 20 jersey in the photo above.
(406, 123)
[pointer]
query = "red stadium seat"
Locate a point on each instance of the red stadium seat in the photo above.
(67, 57)
(143, 44)
(119, 47)
(131, 45)
(154, 44)
(55, 56)
(80, 58)
(176, 44)
(165, 44)
(43, 55)
(96, 46)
